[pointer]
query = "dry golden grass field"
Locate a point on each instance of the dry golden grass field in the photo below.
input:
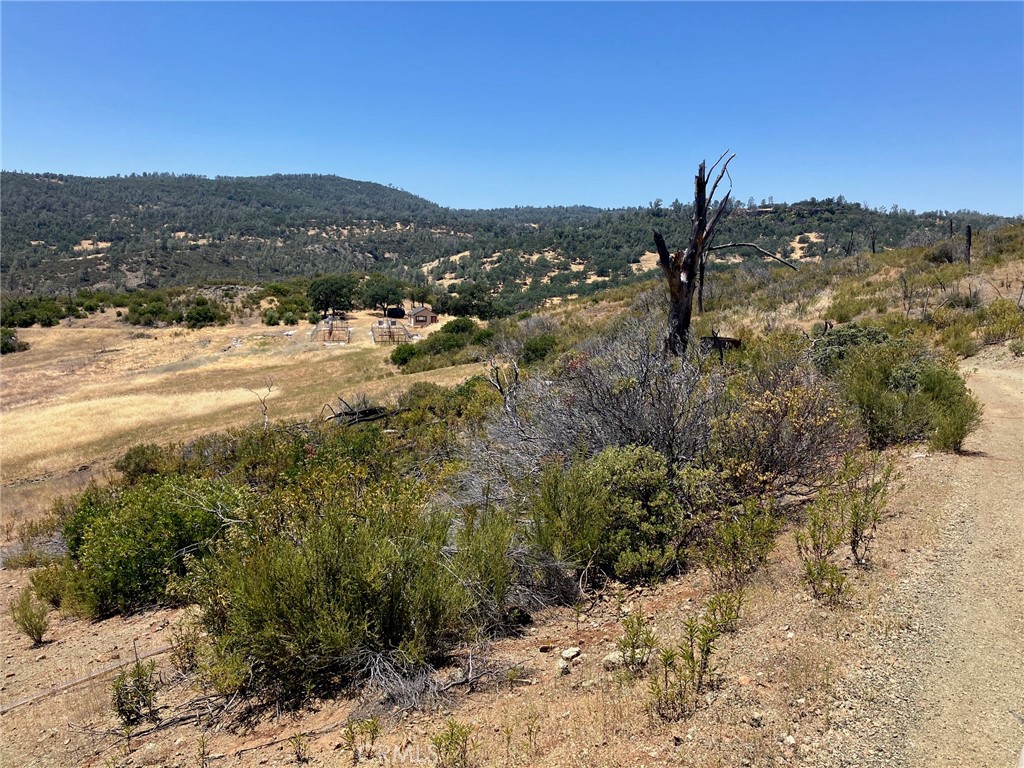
(87, 390)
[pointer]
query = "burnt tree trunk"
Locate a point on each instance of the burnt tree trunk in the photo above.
(680, 271)
(684, 270)
(967, 247)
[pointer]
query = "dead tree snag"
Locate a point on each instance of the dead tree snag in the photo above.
(684, 270)
(681, 268)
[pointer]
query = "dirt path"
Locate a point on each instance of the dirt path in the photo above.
(946, 688)
(970, 700)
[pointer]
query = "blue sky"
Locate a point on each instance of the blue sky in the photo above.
(493, 104)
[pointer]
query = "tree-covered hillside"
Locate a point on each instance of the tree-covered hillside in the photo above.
(156, 230)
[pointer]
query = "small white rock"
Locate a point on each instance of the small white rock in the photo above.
(613, 660)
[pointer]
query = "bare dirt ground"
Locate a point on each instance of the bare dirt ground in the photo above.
(921, 667)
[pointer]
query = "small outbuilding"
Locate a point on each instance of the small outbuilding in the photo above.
(422, 316)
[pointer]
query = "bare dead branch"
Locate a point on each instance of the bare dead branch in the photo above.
(721, 173)
(263, 401)
(756, 247)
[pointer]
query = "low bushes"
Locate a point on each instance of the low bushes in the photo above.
(740, 543)
(999, 321)
(686, 671)
(133, 693)
(321, 556)
(173, 307)
(902, 390)
(124, 544)
(9, 342)
(615, 512)
(29, 615)
(845, 514)
(458, 341)
(905, 393)
(365, 588)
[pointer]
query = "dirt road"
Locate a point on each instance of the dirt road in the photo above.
(946, 688)
(969, 705)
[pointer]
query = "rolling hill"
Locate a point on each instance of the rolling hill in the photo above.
(63, 232)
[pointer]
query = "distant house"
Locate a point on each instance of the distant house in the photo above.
(422, 316)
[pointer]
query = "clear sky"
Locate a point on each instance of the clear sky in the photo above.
(494, 104)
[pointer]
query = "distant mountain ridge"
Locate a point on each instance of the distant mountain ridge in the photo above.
(62, 231)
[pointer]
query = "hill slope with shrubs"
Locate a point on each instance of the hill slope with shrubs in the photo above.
(320, 561)
(63, 232)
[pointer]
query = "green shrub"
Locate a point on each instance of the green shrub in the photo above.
(29, 615)
(202, 314)
(452, 745)
(141, 461)
(846, 308)
(723, 610)
(862, 489)
(686, 670)
(953, 422)
(817, 542)
(637, 643)
(1000, 320)
(944, 316)
(359, 737)
(833, 347)
(186, 640)
(644, 520)
(362, 586)
(271, 317)
(943, 252)
(30, 557)
(740, 544)
(615, 512)
(133, 694)
(50, 583)
(969, 300)
(123, 545)
(484, 567)
(958, 338)
(403, 353)
(442, 341)
(539, 347)
(905, 393)
(1016, 347)
(300, 748)
(9, 342)
(569, 515)
(482, 337)
(459, 325)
